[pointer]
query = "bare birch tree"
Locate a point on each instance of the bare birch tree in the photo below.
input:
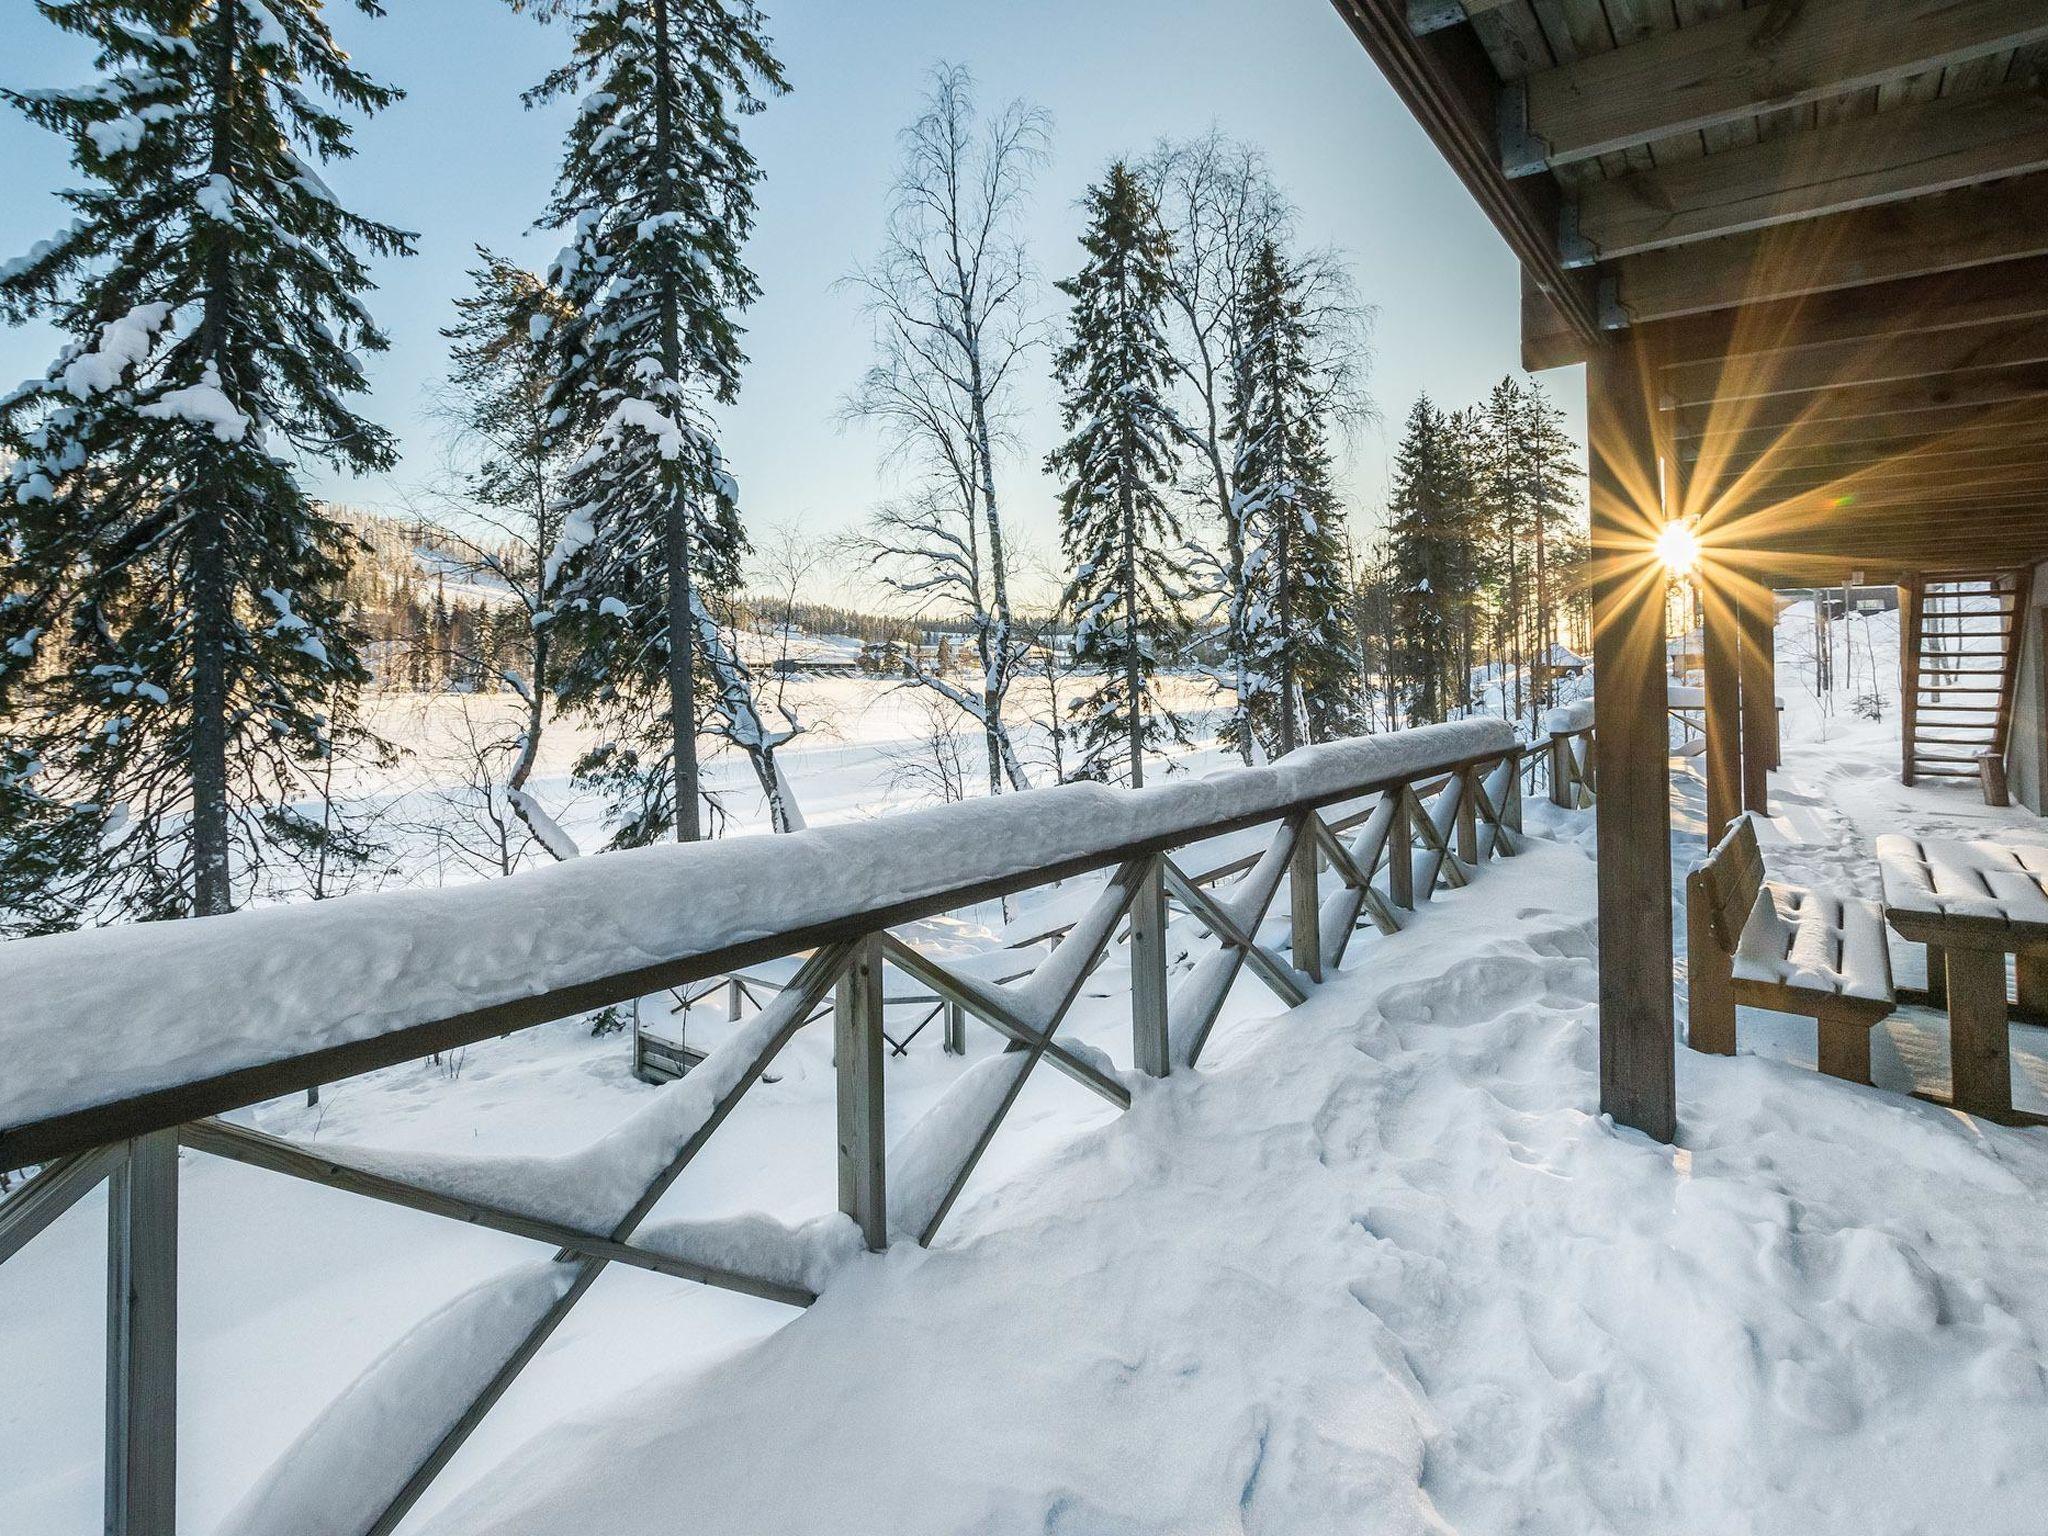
(951, 300)
(1220, 204)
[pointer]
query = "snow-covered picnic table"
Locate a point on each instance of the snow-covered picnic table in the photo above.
(1972, 904)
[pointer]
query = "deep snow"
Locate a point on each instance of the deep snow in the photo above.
(1376, 1266)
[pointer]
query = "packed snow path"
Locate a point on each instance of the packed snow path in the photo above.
(1379, 1266)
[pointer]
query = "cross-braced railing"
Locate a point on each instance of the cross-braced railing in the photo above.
(1362, 833)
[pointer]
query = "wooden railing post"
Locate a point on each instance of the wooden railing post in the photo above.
(1401, 853)
(1468, 818)
(1561, 771)
(955, 1039)
(1304, 900)
(1511, 807)
(142, 1338)
(857, 1050)
(1150, 1045)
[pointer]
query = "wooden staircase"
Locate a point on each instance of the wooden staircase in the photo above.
(1959, 644)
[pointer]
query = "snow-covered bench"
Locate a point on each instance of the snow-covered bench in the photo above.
(1786, 949)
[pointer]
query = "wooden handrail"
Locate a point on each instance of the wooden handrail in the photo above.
(40, 1139)
(900, 1187)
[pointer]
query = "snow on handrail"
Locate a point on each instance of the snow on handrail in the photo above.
(110, 1032)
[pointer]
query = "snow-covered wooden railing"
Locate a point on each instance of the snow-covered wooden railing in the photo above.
(121, 1044)
(1571, 762)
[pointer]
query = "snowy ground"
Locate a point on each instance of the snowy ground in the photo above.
(1378, 1265)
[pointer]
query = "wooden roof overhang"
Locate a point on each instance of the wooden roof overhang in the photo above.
(1825, 223)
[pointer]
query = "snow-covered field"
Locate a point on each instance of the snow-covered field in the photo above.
(1377, 1266)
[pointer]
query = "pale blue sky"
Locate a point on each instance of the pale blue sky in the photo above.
(461, 162)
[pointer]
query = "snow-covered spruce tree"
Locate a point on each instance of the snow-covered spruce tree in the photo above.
(1124, 544)
(172, 638)
(657, 190)
(1298, 643)
(1433, 540)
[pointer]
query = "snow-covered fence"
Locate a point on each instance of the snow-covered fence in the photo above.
(1571, 763)
(123, 1043)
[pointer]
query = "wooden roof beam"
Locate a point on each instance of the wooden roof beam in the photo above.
(1997, 292)
(1883, 484)
(1743, 64)
(1950, 426)
(1968, 227)
(1951, 451)
(1447, 82)
(1790, 414)
(1873, 360)
(1909, 152)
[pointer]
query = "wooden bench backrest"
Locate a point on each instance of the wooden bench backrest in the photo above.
(1732, 876)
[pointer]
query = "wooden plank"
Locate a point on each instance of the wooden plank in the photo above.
(48, 1193)
(857, 1054)
(1958, 430)
(1150, 1045)
(1751, 62)
(217, 1138)
(1720, 655)
(1304, 901)
(1909, 355)
(1759, 694)
(1637, 1082)
(1911, 593)
(1876, 317)
(116, 1120)
(142, 1338)
(990, 1006)
(1450, 85)
(1401, 855)
(1710, 999)
(1792, 414)
(1913, 152)
(1979, 1050)
(1968, 227)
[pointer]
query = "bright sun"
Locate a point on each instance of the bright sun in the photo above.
(1679, 548)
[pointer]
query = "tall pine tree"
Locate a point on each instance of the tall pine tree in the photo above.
(1433, 544)
(1300, 665)
(658, 191)
(172, 639)
(1123, 542)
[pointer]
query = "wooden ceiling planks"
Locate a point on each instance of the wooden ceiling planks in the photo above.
(1827, 221)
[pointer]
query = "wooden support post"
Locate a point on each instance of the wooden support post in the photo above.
(1754, 610)
(1150, 1045)
(1710, 998)
(142, 1338)
(1720, 648)
(1561, 775)
(2030, 980)
(1304, 905)
(1911, 593)
(1468, 819)
(1633, 830)
(1401, 854)
(734, 996)
(857, 1051)
(1511, 806)
(1843, 1048)
(1980, 1065)
(955, 1041)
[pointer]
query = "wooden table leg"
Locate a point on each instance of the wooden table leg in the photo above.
(1937, 976)
(2031, 968)
(1980, 1063)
